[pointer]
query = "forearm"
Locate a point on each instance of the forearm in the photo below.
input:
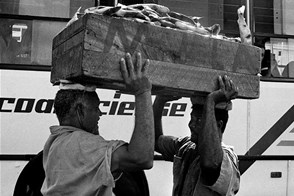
(141, 144)
(209, 140)
(158, 107)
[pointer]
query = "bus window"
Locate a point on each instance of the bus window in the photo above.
(282, 51)
(43, 33)
(27, 41)
(14, 38)
(278, 56)
(273, 31)
(48, 8)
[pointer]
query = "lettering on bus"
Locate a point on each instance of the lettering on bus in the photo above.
(113, 107)
(117, 107)
(26, 105)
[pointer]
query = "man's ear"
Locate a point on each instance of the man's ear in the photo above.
(220, 124)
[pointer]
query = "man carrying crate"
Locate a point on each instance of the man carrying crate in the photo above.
(202, 164)
(76, 159)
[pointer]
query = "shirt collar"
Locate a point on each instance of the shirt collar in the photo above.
(56, 129)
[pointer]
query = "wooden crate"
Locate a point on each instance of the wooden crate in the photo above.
(182, 63)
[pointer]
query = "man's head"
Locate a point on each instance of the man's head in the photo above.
(78, 108)
(195, 124)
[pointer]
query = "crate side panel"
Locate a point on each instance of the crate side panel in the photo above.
(68, 64)
(69, 31)
(70, 43)
(169, 75)
(114, 35)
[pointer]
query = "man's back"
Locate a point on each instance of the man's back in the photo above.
(79, 163)
(31, 178)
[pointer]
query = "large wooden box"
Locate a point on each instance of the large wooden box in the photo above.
(182, 63)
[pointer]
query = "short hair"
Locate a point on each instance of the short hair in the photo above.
(66, 100)
(220, 114)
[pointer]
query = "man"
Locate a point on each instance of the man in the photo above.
(203, 165)
(77, 160)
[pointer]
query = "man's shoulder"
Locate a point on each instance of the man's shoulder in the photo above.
(232, 156)
(229, 149)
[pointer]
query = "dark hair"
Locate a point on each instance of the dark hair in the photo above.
(220, 114)
(65, 100)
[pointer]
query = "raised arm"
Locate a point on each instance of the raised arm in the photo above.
(210, 138)
(158, 106)
(138, 154)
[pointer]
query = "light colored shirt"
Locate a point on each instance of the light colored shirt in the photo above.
(77, 163)
(186, 169)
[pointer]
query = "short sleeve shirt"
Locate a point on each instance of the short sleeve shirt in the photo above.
(186, 169)
(77, 163)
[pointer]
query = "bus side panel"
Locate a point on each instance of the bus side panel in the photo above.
(9, 172)
(26, 112)
(275, 105)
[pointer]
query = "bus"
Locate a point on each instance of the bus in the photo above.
(261, 130)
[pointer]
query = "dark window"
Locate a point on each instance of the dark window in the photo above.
(27, 41)
(263, 16)
(231, 16)
(48, 8)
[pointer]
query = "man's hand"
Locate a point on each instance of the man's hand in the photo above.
(226, 92)
(135, 76)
